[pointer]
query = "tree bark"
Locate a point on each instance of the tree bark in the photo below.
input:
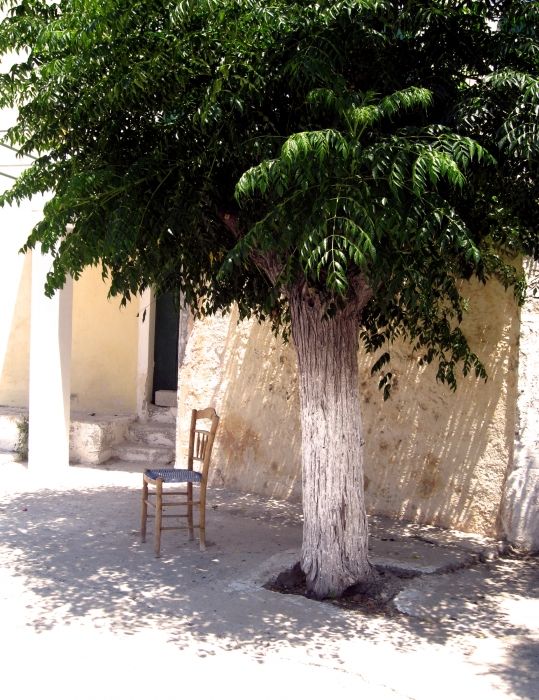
(335, 536)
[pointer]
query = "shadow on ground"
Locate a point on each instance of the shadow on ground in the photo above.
(76, 554)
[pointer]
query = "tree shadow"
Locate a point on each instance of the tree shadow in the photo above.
(75, 555)
(431, 456)
(443, 457)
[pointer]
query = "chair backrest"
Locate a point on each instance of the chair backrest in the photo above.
(201, 440)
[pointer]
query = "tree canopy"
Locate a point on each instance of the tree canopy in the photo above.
(185, 140)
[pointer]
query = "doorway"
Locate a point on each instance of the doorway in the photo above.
(167, 323)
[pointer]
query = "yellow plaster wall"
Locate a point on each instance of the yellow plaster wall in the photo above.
(16, 222)
(104, 348)
(15, 335)
(15, 291)
(431, 456)
(439, 457)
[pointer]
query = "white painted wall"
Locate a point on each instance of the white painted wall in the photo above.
(520, 507)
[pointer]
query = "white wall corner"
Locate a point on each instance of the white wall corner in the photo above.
(520, 504)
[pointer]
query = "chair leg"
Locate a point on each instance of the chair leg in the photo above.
(158, 516)
(190, 511)
(202, 517)
(144, 515)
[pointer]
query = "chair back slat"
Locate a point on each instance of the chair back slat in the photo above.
(201, 440)
(201, 443)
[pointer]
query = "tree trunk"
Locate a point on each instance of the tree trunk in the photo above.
(335, 537)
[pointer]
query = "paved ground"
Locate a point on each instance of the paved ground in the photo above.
(86, 611)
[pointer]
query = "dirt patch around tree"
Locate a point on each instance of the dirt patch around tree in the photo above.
(373, 598)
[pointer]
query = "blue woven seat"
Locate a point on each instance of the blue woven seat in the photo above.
(174, 476)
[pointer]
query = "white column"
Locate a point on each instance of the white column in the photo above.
(184, 323)
(146, 333)
(50, 371)
(520, 506)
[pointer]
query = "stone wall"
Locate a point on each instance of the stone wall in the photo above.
(431, 456)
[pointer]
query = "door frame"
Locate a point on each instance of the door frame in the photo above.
(145, 354)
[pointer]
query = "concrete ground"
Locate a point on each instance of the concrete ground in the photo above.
(86, 611)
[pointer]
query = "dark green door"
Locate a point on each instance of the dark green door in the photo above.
(165, 373)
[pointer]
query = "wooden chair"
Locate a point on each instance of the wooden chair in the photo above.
(156, 497)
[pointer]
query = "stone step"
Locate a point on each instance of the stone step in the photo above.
(93, 437)
(162, 414)
(9, 429)
(8, 458)
(154, 434)
(119, 465)
(137, 452)
(164, 397)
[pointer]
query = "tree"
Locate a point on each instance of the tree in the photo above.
(335, 167)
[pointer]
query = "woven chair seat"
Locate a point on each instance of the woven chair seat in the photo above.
(174, 476)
